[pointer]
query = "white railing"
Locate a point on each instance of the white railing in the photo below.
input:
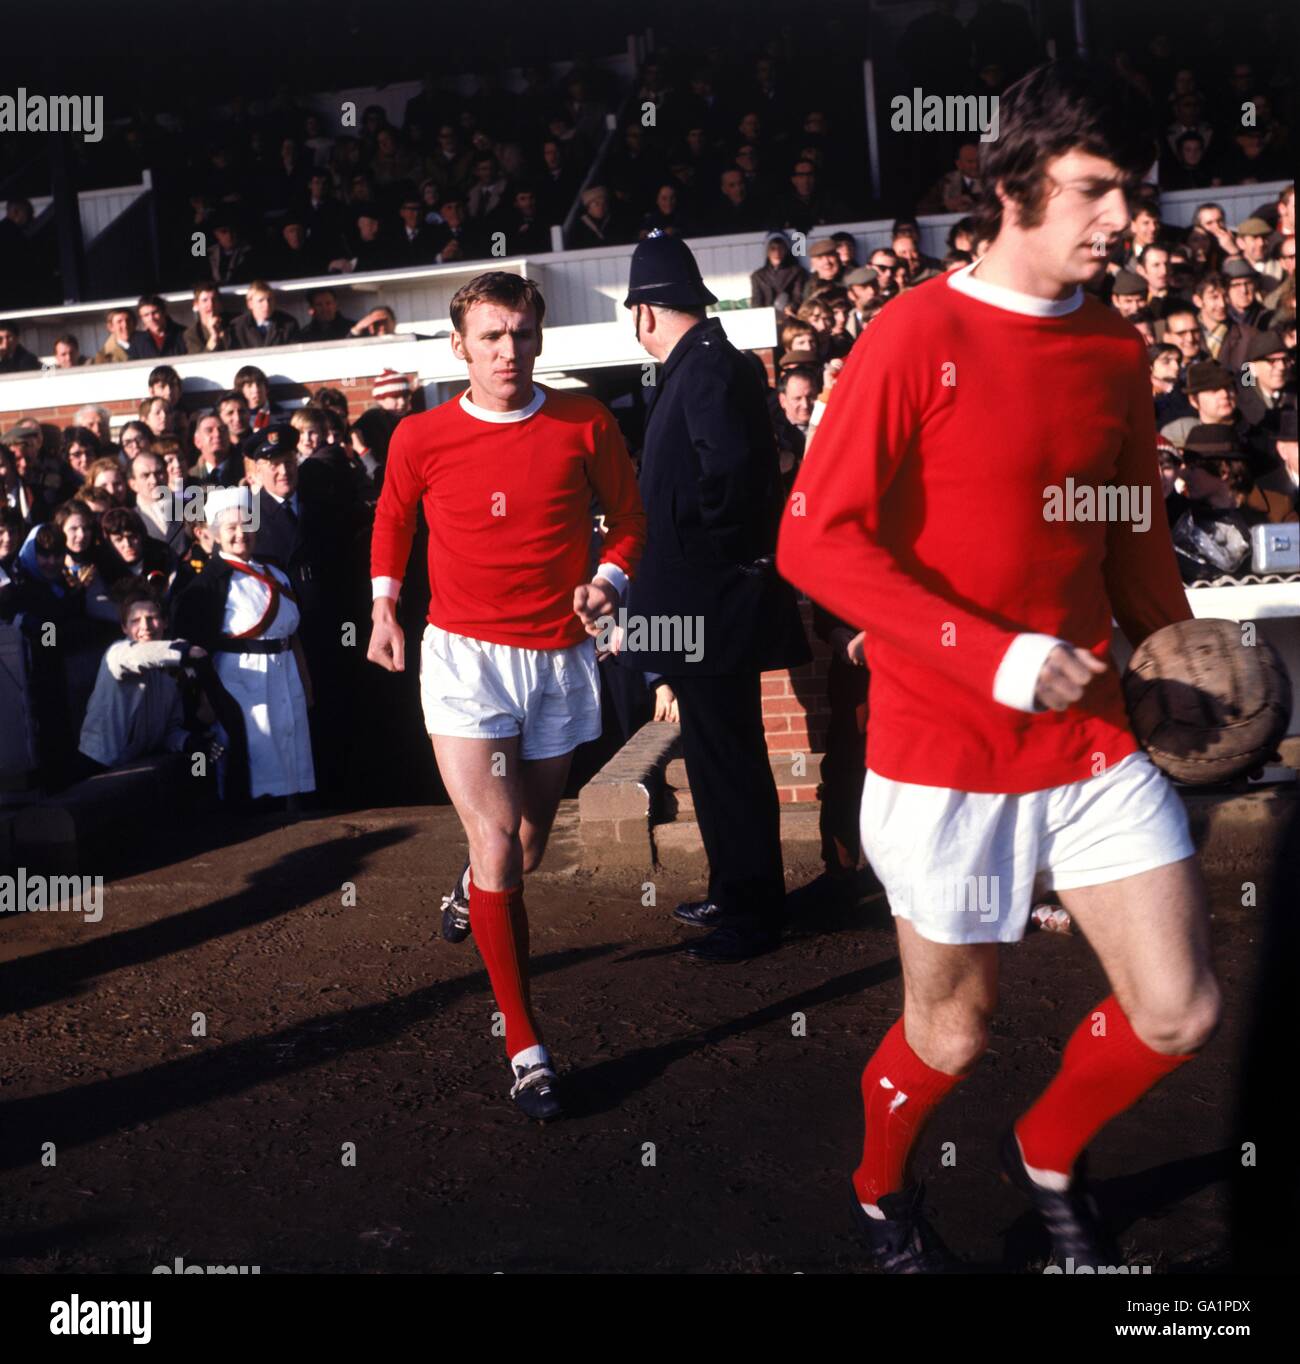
(581, 287)
(565, 350)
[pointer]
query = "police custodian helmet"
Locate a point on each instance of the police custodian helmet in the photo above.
(665, 272)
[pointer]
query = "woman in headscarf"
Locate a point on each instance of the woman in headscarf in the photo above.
(779, 283)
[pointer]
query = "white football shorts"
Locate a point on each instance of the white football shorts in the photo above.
(475, 690)
(962, 866)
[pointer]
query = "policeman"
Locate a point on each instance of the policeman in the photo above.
(710, 484)
(310, 532)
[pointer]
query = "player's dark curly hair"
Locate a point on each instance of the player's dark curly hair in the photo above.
(1060, 107)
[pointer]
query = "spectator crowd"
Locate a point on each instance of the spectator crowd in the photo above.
(194, 580)
(154, 620)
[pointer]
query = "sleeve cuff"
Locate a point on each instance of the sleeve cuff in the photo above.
(614, 576)
(1017, 675)
(385, 587)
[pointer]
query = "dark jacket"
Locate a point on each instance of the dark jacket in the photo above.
(143, 346)
(776, 286)
(226, 475)
(712, 494)
(317, 330)
(22, 359)
(281, 330)
(316, 548)
(195, 337)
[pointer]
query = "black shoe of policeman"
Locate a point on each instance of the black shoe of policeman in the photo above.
(1072, 1218)
(903, 1241)
(733, 941)
(455, 908)
(534, 1092)
(701, 914)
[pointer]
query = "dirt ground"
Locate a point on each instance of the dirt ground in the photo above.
(707, 1134)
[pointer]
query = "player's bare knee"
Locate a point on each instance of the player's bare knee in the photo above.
(1179, 1027)
(950, 1039)
(534, 850)
(495, 850)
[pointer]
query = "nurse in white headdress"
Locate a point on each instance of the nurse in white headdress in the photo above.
(258, 657)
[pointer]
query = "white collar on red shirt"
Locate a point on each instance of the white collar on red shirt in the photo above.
(1012, 300)
(517, 415)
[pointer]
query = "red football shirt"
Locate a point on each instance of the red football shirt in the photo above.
(920, 515)
(509, 508)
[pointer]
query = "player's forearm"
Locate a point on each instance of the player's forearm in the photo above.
(390, 543)
(844, 570)
(619, 499)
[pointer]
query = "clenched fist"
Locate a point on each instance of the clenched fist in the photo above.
(1065, 675)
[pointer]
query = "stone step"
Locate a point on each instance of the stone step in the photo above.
(678, 845)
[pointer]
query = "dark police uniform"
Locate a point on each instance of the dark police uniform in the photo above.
(317, 547)
(710, 484)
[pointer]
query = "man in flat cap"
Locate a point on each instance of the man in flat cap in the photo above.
(1128, 294)
(1244, 306)
(827, 272)
(711, 489)
(1252, 237)
(863, 285)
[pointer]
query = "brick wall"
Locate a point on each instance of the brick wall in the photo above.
(796, 711)
(357, 392)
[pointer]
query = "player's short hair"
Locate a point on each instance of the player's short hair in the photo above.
(497, 286)
(1060, 107)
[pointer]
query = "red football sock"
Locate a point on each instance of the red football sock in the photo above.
(899, 1092)
(500, 926)
(1100, 1076)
